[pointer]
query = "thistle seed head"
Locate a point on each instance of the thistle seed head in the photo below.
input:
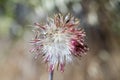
(59, 40)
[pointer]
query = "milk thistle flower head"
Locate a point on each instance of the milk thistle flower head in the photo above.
(59, 40)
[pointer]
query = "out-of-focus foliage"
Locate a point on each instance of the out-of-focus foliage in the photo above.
(99, 18)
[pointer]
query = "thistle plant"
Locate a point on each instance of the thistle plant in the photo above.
(59, 41)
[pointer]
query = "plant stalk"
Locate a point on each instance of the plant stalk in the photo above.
(51, 75)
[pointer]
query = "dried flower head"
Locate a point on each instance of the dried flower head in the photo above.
(59, 40)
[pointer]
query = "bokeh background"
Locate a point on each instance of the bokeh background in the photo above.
(99, 18)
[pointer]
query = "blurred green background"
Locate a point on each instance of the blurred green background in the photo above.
(99, 18)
